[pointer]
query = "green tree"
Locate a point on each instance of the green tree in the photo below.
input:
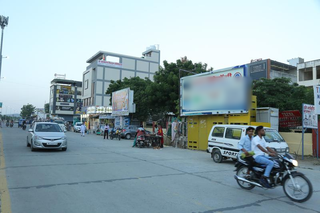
(281, 93)
(141, 95)
(165, 90)
(26, 111)
(46, 108)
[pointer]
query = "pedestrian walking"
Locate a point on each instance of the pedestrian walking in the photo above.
(106, 131)
(83, 129)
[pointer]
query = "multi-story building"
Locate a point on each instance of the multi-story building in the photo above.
(271, 69)
(107, 66)
(65, 99)
(309, 73)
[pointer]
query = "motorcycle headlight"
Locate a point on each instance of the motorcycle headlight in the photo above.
(295, 163)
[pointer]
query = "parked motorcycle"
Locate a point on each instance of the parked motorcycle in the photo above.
(141, 141)
(115, 134)
(295, 185)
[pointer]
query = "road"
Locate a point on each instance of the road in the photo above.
(96, 175)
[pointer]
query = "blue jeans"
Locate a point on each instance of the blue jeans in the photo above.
(265, 160)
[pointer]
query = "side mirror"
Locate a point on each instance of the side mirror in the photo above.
(30, 130)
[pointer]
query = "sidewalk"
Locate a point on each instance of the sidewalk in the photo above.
(309, 162)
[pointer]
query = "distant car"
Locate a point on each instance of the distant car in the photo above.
(46, 135)
(129, 131)
(77, 127)
(61, 124)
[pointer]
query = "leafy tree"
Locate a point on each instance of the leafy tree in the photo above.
(165, 90)
(46, 108)
(26, 111)
(281, 93)
(141, 95)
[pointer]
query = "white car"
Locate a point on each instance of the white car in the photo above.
(77, 127)
(46, 135)
(223, 141)
(61, 124)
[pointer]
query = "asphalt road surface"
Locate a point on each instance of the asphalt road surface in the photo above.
(96, 175)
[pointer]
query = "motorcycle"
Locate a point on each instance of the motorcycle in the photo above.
(11, 124)
(295, 185)
(7, 124)
(115, 134)
(24, 126)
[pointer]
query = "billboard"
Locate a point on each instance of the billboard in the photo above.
(217, 92)
(316, 90)
(121, 102)
(309, 116)
(291, 118)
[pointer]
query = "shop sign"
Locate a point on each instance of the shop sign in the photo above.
(109, 64)
(290, 118)
(91, 110)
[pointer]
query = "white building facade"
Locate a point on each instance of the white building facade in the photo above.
(309, 73)
(107, 66)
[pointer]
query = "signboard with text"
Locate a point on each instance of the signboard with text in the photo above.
(309, 116)
(218, 92)
(120, 102)
(291, 118)
(316, 90)
(109, 64)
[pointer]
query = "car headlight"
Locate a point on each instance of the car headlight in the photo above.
(295, 163)
(287, 150)
(36, 137)
(64, 138)
(37, 143)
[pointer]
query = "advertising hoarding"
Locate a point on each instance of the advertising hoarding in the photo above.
(291, 118)
(120, 102)
(316, 90)
(309, 116)
(217, 92)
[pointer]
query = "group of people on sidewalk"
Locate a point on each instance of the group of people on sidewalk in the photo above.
(259, 147)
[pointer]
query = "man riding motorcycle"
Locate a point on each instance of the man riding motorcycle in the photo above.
(259, 147)
(245, 147)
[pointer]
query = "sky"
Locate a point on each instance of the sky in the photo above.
(46, 37)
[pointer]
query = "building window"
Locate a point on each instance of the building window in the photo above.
(305, 74)
(318, 72)
(86, 84)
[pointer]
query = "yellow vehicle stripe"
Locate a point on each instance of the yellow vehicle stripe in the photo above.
(4, 191)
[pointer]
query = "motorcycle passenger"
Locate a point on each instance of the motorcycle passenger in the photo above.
(245, 147)
(260, 148)
(140, 131)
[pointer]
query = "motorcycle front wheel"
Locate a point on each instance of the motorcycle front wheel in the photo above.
(301, 191)
(242, 172)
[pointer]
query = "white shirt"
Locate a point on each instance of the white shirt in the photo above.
(83, 128)
(254, 145)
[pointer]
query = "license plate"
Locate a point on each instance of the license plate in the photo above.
(52, 143)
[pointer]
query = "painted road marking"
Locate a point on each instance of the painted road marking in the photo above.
(4, 192)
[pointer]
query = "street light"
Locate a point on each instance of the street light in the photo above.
(3, 22)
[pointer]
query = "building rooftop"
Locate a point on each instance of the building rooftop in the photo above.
(279, 66)
(65, 81)
(100, 53)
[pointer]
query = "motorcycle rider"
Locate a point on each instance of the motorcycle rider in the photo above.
(245, 147)
(260, 148)
(140, 131)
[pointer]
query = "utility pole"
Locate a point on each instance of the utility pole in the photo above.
(3, 22)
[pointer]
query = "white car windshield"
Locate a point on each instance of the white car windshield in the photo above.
(273, 136)
(48, 128)
(78, 124)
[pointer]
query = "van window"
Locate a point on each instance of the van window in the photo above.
(233, 133)
(218, 132)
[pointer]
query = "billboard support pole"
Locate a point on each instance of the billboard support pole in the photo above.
(318, 142)
(302, 151)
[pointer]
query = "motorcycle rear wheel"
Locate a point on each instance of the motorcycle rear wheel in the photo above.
(242, 172)
(304, 187)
